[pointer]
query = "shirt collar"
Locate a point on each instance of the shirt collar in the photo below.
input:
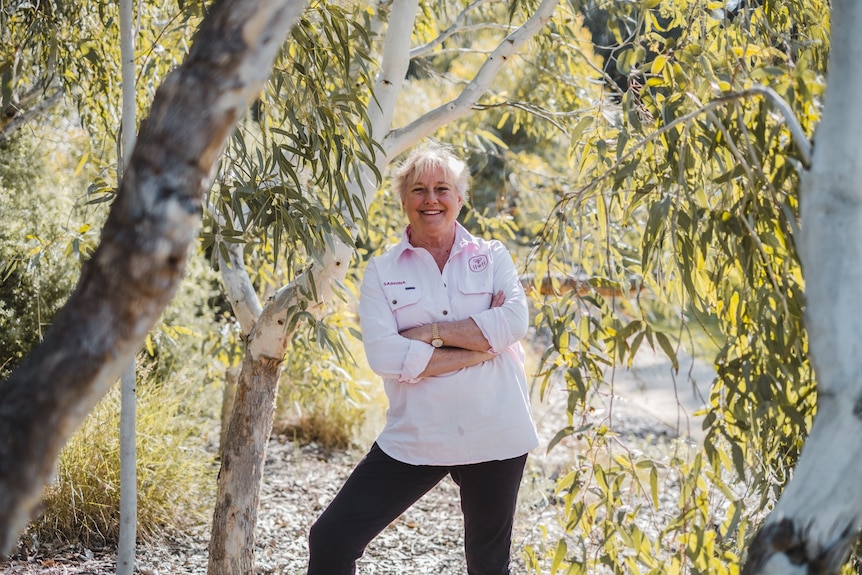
(463, 238)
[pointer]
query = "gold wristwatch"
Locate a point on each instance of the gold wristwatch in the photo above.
(436, 340)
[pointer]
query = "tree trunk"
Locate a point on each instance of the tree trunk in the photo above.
(234, 518)
(128, 474)
(128, 383)
(244, 448)
(820, 512)
(134, 273)
(231, 380)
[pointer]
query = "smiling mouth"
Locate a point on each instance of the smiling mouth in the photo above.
(432, 212)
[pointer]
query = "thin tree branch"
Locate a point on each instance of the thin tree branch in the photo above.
(399, 140)
(237, 283)
(456, 28)
(24, 116)
(793, 124)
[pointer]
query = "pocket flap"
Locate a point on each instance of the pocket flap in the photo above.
(401, 296)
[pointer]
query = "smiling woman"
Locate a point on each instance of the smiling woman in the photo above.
(432, 195)
(442, 315)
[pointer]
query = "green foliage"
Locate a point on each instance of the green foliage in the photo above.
(517, 140)
(628, 505)
(673, 199)
(285, 178)
(71, 48)
(175, 470)
(327, 395)
(284, 190)
(46, 230)
(614, 512)
(692, 188)
(42, 238)
(177, 404)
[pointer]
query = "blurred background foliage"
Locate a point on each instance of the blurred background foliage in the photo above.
(629, 152)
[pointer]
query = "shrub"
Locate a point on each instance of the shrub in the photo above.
(38, 229)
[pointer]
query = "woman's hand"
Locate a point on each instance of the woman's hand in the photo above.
(498, 299)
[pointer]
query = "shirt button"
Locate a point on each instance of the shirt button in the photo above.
(395, 301)
(445, 312)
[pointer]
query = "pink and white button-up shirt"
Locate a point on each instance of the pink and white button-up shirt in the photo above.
(478, 413)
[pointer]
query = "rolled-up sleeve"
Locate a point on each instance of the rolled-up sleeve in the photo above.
(389, 354)
(505, 325)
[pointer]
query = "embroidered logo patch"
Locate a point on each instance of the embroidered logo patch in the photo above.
(478, 263)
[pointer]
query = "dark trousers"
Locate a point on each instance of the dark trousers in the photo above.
(381, 488)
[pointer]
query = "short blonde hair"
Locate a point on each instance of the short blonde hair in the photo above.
(428, 157)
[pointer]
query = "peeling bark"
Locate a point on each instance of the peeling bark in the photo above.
(231, 382)
(242, 460)
(135, 271)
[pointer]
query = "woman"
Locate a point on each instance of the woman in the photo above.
(442, 314)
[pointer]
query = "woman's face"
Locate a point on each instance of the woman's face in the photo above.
(432, 205)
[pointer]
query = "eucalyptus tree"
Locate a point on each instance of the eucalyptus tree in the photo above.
(53, 52)
(694, 186)
(350, 162)
(688, 179)
(819, 514)
(133, 274)
(27, 91)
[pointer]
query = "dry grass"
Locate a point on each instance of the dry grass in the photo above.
(329, 429)
(176, 475)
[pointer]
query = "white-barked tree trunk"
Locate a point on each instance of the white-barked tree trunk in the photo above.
(128, 383)
(819, 515)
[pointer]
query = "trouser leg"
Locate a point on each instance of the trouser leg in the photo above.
(376, 493)
(489, 494)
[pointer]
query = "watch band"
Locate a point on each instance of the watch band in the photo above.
(436, 340)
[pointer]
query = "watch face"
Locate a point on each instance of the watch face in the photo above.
(437, 342)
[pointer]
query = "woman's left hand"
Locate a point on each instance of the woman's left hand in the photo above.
(498, 299)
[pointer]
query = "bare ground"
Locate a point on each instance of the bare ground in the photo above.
(428, 539)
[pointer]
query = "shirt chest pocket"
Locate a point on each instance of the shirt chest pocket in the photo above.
(474, 293)
(405, 305)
